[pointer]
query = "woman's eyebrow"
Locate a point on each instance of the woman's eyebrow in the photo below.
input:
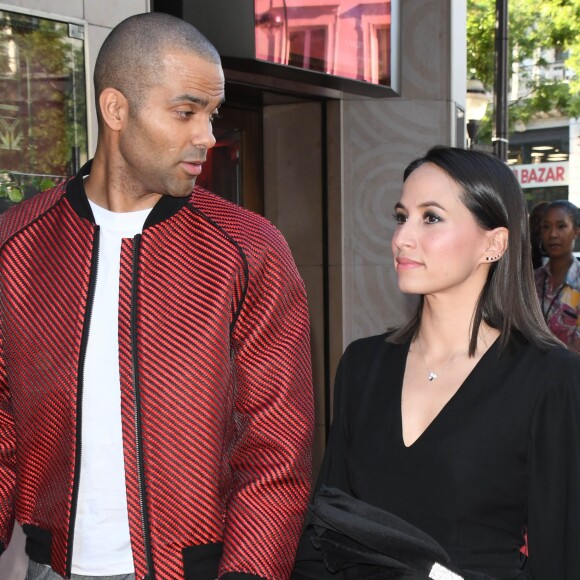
(399, 205)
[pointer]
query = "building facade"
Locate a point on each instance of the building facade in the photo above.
(545, 152)
(324, 164)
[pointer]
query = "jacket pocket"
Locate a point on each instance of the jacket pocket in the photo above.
(38, 543)
(202, 562)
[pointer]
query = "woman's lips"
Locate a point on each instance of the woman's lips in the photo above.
(407, 264)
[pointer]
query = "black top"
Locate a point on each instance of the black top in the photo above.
(501, 457)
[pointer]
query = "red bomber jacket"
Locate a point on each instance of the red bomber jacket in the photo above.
(216, 387)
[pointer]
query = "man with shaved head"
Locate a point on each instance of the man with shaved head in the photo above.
(155, 384)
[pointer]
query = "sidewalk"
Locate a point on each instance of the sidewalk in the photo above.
(14, 561)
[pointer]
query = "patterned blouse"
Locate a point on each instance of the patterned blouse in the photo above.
(561, 307)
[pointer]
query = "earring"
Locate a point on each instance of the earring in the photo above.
(493, 258)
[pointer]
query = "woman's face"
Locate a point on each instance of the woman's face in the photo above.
(438, 246)
(558, 233)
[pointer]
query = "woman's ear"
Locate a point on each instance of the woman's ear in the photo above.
(114, 108)
(497, 243)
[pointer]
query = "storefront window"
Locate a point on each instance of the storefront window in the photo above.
(343, 38)
(539, 151)
(43, 103)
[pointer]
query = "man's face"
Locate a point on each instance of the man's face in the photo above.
(164, 143)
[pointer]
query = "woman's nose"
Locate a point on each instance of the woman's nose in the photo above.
(402, 237)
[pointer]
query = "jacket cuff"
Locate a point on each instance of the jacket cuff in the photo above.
(239, 576)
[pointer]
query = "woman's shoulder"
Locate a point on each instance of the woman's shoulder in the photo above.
(544, 379)
(372, 356)
(551, 390)
(543, 353)
(548, 364)
(562, 361)
(378, 344)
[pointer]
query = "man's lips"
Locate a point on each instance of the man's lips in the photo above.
(192, 167)
(407, 264)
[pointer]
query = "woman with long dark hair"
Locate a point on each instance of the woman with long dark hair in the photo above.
(558, 281)
(459, 432)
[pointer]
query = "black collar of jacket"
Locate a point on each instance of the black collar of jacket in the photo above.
(166, 207)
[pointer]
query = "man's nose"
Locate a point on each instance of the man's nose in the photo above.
(202, 135)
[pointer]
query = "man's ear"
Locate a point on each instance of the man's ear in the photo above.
(114, 108)
(497, 244)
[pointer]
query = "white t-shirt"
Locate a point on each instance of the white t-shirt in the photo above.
(101, 535)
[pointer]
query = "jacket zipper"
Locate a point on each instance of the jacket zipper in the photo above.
(149, 575)
(81, 370)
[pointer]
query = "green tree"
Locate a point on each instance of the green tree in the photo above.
(42, 102)
(534, 27)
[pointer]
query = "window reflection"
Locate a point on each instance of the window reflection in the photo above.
(540, 150)
(43, 131)
(344, 38)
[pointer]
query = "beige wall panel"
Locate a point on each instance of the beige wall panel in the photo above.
(293, 177)
(109, 13)
(380, 138)
(426, 40)
(70, 8)
(97, 35)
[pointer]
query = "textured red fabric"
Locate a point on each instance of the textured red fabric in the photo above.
(215, 383)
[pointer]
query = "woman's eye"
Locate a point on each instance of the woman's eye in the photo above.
(400, 218)
(431, 218)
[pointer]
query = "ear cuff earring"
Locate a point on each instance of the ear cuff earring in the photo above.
(493, 258)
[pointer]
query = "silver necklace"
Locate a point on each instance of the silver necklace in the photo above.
(431, 375)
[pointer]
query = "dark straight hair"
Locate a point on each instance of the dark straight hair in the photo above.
(508, 301)
(572, 211)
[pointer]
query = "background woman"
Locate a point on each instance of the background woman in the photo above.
(464, 423)
(558, 281)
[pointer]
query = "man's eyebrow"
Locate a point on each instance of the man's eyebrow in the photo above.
(189, 98)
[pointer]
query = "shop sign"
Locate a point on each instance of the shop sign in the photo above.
(541, 174)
